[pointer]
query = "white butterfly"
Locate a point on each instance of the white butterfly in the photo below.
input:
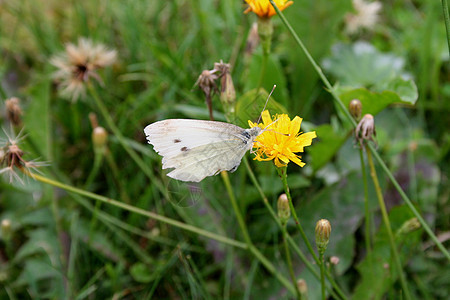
(197, 149)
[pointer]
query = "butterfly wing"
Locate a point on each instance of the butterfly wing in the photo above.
(197, 149)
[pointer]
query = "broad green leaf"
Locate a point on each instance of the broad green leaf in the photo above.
(372, 102)
(362, 65)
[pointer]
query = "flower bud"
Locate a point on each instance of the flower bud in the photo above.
(365, 131)
(355, 108)
(323, 230)
(409, 226)
(284, 211)
(6, 229)
(13, 111)
(302, 288)
(334, 260)
(99, 138)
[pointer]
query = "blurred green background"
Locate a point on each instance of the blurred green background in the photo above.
(61, 245)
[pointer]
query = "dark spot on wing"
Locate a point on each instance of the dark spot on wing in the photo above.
(176, 141)
(234, 168)
(184, 149)
(246, 136)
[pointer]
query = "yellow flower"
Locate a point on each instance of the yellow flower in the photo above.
(281, 139)
(264, 9)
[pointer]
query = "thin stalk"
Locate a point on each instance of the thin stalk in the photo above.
(368, 219)
(269, 266)
(322, 274)
(447, 22)
(352, 121)
(98, 159)
(137, 159)
(387, 224)
(289, 262)
(283, 174)
(139, 211)
(408, 202)
(291, 241)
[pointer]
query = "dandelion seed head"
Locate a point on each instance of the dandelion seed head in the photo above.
(78, 63)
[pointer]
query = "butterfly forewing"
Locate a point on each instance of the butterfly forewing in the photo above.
(197, 149)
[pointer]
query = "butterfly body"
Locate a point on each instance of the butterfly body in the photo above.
(196, 149)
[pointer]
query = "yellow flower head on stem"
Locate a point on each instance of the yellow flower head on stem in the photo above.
(281, 139)
(264, 9)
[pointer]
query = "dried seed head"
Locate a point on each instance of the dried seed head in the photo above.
(284, 211)
(206, 82)
(365, 131)
(323, 231)
(11, 158)
(355, 108)
(13, 111)
(78, 64)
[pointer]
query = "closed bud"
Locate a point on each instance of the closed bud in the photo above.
(323, 231)
(265, 31)
(284, 211)
(334, 260)
(355, 108)
(365, 131)
(6, 229)
(99, 138)
(302, 288)
(409, 226)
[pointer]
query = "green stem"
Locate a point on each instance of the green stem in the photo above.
(368, 222)
(269, 266)
(139, 211)
(387, 224)
(322, 274)
(283, 174)
(352, 121)
(289, 262)
(98, 159)
(408, 202)
(447, 21)
(139, 162)
(291, 241)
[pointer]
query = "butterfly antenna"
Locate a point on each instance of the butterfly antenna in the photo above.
(274, 86)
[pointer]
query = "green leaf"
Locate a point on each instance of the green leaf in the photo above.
(325, 146)
(273, 75)
(372, 102)
(362, 65)
(251, 104)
